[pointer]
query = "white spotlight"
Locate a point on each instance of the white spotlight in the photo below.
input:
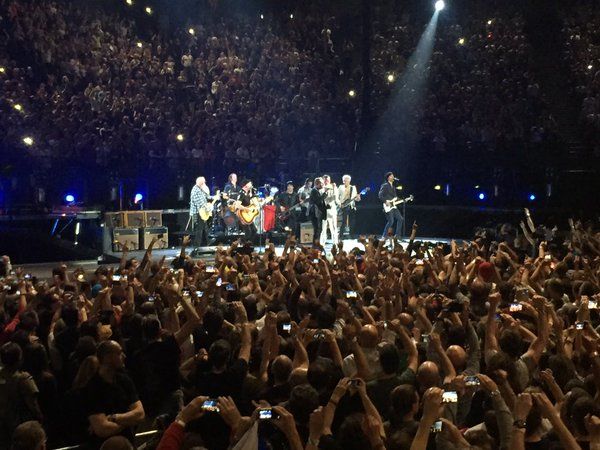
(439, 5)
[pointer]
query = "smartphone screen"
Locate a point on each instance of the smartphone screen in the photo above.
(116, 277)
(437, 426)
(210, 405)
(515, 307)
(592, 304)
(219, 282)
(265, 414)
(199, 293)
(579, 325)
(472, 380)
(230, 287)
(351, 294)
(287, 327)
(449, 397)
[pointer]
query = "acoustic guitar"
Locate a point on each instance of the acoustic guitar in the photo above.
(206, 211)
(247, 214)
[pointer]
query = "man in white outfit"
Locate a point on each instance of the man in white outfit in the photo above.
(332, 200)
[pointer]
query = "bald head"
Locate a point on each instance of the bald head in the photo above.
(457, 356)
(405, 319)
(428, 375)
(368, 336)
(281, 368)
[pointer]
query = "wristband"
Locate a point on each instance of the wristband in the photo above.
(180, 421)
(521, 424)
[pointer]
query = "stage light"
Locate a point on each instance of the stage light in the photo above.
(439, 5)
(129, 2)
(481, 196)
(489, 22)
(18, 107)
(148, 10)
(138, 198)
(461, 41)
(180, 137)
(27, 140)
(352, 93)
(2, 70)
(590, 67)
(262, 17)
(139, 45)
(531, 197)
(291, 16)
(437, 187)
(69, 198)
(391, 77)
(476, 186)
(191, 31)
(400, 187)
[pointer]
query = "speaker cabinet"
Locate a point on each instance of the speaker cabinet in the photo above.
(129, 236)
(160, 233)
(114, 219)
(307, 233)
(135, 219)
(153, 218)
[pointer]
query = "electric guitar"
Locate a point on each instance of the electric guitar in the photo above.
(247, 214)
(207, 210)
(287, 212)
(391, 204)
(348, 202)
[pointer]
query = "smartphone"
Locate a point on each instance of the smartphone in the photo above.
(351, 294)
(579, 325)
(27, 276)
(515, 307)
(547, 257)
(449, 397)
(210, 405)
(385, 324)
(316, 261)
(419, 262)
(472, 380)
(319, 335)
(230, 287)
(219, 282)
(151, 298)
(199, 294)
(437, 426)
(592, 304)
(287, 327)
(80, 277)
(266, 414)
(210, 269)
(185, 292)
(116, 277)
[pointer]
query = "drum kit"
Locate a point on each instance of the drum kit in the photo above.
(228, 213)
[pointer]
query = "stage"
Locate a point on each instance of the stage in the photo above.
(44, 270)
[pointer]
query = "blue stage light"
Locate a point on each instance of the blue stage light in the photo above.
(481, 196)
(531, 197)
(439, 5)
(70, 198)
(138, 198)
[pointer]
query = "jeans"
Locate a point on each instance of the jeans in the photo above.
(393, 217)
(200, 230)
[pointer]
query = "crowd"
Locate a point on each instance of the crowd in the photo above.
(224, 92)
(481, 94)
(582, 52)
(486, 344)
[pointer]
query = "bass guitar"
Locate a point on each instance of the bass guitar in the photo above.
(287, 212)
(391, 204)
(348, 202)
(247, 214)
(206, 211)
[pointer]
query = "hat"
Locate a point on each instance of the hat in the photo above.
(486, 271)
(387, 175)
(245, 181)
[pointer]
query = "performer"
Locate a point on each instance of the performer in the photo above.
(332, 201)
(318, 208)
(231, 193)
(231, 188)
(304, 194)
(387, 192)
(348, 196)
(288, 208)
(199, 196)
(246, 199)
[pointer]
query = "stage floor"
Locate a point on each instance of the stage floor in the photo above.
(44, 270)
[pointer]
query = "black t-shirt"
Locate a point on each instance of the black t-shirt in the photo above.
(110, 398)
(226, 383)
(158, 368)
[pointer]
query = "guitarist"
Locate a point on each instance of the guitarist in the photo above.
(246, 198)
(318, 208)
(387, 193)
(199, 196)
(348, 196)
(287, 206)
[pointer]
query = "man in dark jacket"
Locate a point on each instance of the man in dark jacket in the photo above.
(387, 193)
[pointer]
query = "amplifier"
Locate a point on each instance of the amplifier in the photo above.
(114, 219)
(307, 233)
(153, 218)
(161, 233)
(129, 236)
(135, 219)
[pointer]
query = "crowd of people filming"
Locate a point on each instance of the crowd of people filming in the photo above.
(490, 343)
